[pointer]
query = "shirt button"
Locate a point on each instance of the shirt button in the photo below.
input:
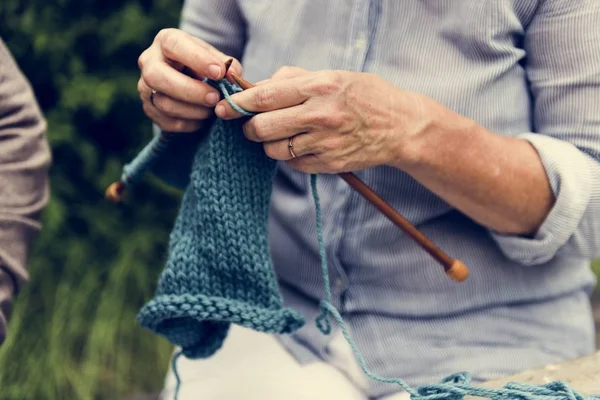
(361, 42)
(339, 282)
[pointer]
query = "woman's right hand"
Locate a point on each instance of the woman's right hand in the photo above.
(173, 66)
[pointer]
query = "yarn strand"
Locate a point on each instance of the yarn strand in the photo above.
(176, 357)
(327, 306)
(322, 321)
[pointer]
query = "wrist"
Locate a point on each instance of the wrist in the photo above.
(431, 137)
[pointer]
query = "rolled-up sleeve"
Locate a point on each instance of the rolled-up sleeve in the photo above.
(563, 66)
(24, 161)
(220, 24)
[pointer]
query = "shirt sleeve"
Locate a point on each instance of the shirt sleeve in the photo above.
(220, 24)
(562, 46)
(24, 161)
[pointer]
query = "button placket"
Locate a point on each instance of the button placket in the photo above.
(361, 34)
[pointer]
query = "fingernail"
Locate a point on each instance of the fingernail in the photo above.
(214, 71)
(220, 111)
(212, 98)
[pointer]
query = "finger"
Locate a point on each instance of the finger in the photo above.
(182, 47)
(289, 72)
(302, 145)
(283, 73)
(167, 80)
(262, 82)
(236, 66)
(278, 124)
(170, 124)
(269, 96)
(172, 107)
(179, 109)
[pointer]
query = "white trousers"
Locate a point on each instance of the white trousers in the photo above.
(254, 366)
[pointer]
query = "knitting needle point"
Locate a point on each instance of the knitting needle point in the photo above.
(455, 269)
(228, 64)
(244, 84)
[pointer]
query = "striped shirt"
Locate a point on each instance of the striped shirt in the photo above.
(522, 68)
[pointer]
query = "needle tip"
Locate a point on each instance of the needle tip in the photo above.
(244, 84)
(228, 64)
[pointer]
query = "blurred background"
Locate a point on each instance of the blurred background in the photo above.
(73, 333)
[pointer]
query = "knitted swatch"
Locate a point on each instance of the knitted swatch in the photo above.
(219, 269)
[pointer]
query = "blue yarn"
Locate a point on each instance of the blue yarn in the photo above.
(226, 87)
(176, 373)
(178, 315)
(322, 321)
(134, 171)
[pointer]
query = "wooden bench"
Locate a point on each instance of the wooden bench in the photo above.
(583, 375)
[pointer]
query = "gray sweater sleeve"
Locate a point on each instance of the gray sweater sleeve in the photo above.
(24, 161)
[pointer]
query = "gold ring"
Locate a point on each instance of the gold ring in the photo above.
(291, 148)
(152, 93)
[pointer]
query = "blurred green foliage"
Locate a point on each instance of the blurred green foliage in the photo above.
(73, 333)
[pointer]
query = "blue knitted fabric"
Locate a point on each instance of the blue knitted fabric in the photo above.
(219, 269)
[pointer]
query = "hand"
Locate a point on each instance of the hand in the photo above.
(339, 121)
(174, 65)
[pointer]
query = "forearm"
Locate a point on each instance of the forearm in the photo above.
(498, 181)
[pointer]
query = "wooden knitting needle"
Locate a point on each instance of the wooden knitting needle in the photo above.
(454, 268)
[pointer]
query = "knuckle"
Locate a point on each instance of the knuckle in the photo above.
(204, 112)
(336, 78)
(327, 82)
(151, 75)
(333, 164)
(264, 97)
(334, 120)
(270, 150)
(331, 144)
(194, 125)
(170, 124)
(258, 128)
(179, 125)
(250, 130)
(171, 40)
(140, 86)
(163, 34)
(282, 72)
(328, 120)
(147, 109)
(142, 59)
(163, 104)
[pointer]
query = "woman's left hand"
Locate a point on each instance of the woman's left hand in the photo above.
(337, 121)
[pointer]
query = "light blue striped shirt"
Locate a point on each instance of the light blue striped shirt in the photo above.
(523, 68)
